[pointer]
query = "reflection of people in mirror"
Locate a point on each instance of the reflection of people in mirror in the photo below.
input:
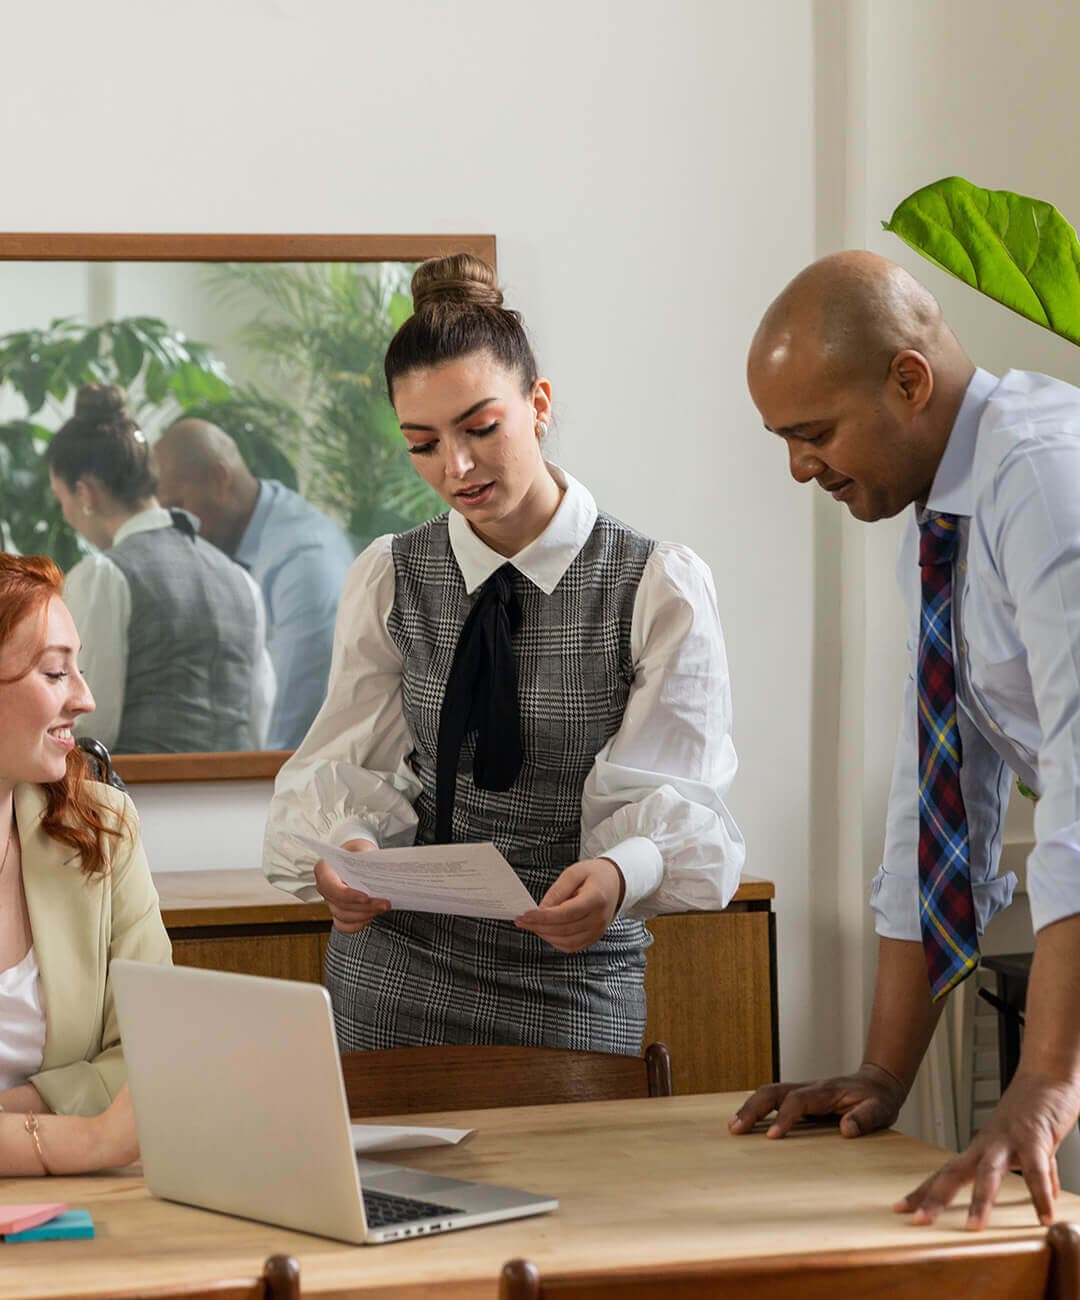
(297, 555)
(525, 670)
(174, 634)
(75, 891)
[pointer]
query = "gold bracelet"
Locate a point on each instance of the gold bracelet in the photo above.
(30, 1123)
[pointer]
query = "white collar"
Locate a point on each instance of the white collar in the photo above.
(547, 557)
(144, 522)
(953, 489)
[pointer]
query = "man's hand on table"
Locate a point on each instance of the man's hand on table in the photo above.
(867, 1100)
(1031, 1119)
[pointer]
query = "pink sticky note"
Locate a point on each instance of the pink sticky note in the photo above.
(17, 1218)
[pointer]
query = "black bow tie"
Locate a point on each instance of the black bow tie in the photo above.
(481, 696)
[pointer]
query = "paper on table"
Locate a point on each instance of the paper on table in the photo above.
(452, 879)
(17, 1218)
(72, 1225)
(391, 1137)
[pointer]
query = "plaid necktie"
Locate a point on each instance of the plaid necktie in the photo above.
(946, 908)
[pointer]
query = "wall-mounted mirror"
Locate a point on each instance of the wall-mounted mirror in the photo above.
(251, 368)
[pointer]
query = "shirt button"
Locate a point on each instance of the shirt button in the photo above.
(963, 566)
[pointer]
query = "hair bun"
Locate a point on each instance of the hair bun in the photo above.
(461, 280)
(100, 402)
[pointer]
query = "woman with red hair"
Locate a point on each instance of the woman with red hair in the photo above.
(75, 891)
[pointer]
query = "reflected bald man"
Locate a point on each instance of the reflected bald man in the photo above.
(297, 555)
(854, 369)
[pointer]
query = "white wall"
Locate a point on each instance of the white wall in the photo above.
(649, 173)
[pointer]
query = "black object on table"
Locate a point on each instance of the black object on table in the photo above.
(1012, 971)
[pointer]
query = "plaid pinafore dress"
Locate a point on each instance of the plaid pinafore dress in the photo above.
(413, 978)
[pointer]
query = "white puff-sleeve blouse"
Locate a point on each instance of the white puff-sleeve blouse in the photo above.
(654, 801)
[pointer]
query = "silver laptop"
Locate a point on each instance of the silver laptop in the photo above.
(240, 1107)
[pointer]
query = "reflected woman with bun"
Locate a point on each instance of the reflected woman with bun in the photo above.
(524, 669)
(174, 633)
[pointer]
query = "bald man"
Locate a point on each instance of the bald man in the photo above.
(295, 553)
(855, 370)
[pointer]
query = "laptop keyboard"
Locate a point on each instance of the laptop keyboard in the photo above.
(383, 1210)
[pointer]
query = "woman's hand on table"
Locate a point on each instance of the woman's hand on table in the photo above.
(351, 909)
(69, 1144)
(867, 1100)
(115, 1142)
(1024, 1132)
(579, 906)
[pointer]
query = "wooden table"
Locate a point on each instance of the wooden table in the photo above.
(640, 1183)
(710, 981)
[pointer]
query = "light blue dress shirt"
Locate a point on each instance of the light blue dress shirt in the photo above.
(299, 558)
(1011, 473)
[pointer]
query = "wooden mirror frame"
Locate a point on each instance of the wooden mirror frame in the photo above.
(255, 765)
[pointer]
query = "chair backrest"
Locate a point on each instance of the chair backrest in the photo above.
(280, 1280)
(100, 762)
(407, 1080)
(1036, 1269)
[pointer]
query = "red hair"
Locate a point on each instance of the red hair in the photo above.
(73, 814)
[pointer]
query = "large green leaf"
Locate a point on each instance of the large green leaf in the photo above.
(191, 384)
(127, 353)
(1017, 250)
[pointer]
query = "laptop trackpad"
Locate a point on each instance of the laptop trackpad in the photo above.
(465, 1195)
(370, 1169)
(400, 1181)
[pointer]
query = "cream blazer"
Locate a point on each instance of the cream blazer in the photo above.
(79, 924)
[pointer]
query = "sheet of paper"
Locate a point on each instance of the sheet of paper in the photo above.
(18, 1218)
(451, 879)
(390, 1137)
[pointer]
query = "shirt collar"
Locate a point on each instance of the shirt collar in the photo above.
(547, 557)
(952, 492)
(144, 522)
(248, 550)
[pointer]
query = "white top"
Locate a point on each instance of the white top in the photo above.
(99, 598)
(654, 800)
(1011, 474)
(22, 1022)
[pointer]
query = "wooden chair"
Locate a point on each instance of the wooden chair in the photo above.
(1037, 1269)
(280, 1280)
(407, 1080)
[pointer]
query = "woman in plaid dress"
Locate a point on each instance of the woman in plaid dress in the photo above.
(526, 670)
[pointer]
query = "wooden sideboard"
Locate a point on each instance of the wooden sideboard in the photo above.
(711, 979)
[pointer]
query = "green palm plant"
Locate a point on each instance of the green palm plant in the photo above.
(322, 333)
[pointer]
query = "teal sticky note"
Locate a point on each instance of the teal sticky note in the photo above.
(69, 1226)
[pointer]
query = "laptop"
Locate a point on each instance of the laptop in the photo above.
(240, 1107)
